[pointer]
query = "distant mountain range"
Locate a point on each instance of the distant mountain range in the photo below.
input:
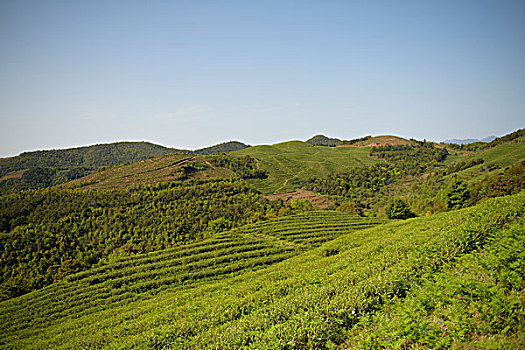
(467, 141)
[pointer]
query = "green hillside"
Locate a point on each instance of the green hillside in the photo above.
(90, 157)
(290, 164)
(277, 285)
(41, 169)
(172, 167)
(495, 158)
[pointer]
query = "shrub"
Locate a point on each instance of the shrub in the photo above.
(398, 209)
(457, 194)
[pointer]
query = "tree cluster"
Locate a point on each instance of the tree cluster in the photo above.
(244, 167)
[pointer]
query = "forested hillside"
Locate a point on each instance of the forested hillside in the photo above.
(222, 147)
(448, 280)
(422, 174)
(42, 169)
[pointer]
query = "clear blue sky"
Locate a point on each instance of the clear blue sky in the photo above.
(193, 73)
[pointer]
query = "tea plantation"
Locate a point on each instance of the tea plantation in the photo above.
(317, 280)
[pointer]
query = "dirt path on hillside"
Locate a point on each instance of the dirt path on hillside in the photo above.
(14, 175)
(209, 164)
(182, 162)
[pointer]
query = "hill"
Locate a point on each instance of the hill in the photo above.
(385, 140)
(90, 156)
(321, 140)
(222, 147)
(276, 285)
(289, 165)
(41, 169)
(279, 168)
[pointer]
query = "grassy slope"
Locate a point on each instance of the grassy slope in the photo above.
(308, 300)
(289, 164)
(498, 157)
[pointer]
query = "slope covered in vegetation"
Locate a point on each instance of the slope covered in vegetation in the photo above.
(270, 285)
(421, 173)
(289, 165)
(168, 168)
(41, 169)
(51, 233)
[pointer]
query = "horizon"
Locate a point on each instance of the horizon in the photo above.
(237, 140)
(191, 74)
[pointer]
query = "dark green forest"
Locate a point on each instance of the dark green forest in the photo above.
(229, 146)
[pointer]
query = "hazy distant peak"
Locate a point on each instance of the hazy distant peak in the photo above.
(467, 141)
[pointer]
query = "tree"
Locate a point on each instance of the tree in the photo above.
(219, 225)
(300, 205)
(457, 194)
(351, 207)
(398, 209)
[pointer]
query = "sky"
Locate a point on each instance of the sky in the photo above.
(190, 74)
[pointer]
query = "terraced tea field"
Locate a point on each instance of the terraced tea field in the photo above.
(252, 247)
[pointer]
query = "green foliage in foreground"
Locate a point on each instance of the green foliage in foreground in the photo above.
(476, 302)
(247, 248)
(312, 298)
(52, 233)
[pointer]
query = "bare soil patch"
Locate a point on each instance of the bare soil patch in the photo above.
(14, 175)
(316, 200)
